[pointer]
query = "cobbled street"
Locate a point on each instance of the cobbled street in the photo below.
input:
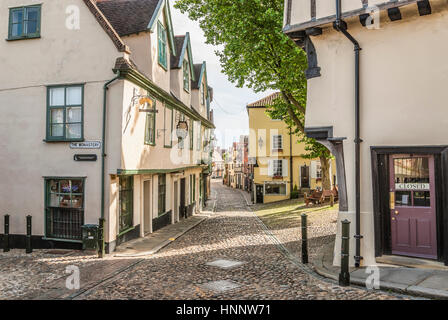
(180, 271)
(264, 267)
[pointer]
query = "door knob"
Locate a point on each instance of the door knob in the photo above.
(393, 218)
(396, 212)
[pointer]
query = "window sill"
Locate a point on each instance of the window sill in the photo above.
(63, 140)
(23, 38)
(150, 144)
(277, 150)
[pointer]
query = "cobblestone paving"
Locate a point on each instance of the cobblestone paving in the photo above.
(21, 273)
(180, 271)
(286, 226)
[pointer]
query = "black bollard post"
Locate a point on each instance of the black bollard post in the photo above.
(6, 234)
(344, 276)
(304, 239)
(29, 248)
(101, 249)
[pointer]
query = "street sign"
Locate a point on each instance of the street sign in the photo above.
(85, 145)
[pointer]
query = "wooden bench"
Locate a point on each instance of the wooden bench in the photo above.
(319, 197)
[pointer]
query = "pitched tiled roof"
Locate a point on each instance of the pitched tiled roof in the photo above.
(266, 101)
(128, 16)
(178, 44)
(106, 25)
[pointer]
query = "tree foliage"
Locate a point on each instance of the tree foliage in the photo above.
(254, 52)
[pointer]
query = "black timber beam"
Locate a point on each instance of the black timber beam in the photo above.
(315, 31)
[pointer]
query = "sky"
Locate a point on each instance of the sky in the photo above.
(229, 105)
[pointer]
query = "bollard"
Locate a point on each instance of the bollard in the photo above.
(6, 234)
(101, 249)
(29, 248)
(332, 200)
(304, 239)
(344, 276)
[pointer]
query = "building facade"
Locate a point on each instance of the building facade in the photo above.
(383, 115)
(279, 163)
(110, 124)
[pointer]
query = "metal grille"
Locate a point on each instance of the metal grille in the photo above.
(65, 223)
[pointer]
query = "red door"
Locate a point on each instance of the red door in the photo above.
(413, 207)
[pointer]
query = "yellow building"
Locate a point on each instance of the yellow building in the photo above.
(280, 165)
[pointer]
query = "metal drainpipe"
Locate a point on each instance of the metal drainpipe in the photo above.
(103, 156)
(291, 162)
(340, 26)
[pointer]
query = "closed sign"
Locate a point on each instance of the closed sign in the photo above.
(412, 186)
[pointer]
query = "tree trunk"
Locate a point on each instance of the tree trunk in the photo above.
(325, 166)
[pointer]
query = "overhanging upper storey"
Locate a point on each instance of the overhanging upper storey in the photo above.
(303, 17)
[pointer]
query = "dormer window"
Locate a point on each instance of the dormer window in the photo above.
(186, 70)
(203, 93)
(161, 36)
(24, 22)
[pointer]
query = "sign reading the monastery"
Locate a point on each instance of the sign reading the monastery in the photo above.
(412, 186)
(85, 145)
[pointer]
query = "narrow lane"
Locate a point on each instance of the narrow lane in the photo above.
(233, 233)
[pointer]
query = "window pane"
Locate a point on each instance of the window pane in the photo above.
(403, 198)
(77, 186)
(76, 201)
(30, 27)
(57, 116)
(55, 200)
(57, 130)
(17, 16)
(57, 96)
(73, 115)
(16, 30)
(32, 14)
(74, 131)
(74, 96)
(422, 199)
(65, 186)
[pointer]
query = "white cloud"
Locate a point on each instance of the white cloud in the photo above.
(230, 102)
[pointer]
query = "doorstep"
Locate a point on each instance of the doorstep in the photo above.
(155, 241)
(423, 282)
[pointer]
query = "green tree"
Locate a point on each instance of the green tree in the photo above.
(254, 52)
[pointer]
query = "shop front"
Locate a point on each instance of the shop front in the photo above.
(410, 201)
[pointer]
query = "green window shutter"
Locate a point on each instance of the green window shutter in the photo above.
(65, 113)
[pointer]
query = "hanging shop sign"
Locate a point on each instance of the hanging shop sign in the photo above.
(85, 145)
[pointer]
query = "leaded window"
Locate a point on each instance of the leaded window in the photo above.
(186, 71)
(65, 113)
(162, 194)
(64, 208)
(126, 195)
(150, 126)
(162, 43)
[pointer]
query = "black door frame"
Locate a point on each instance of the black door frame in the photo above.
(380, 182)
(256, 193)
